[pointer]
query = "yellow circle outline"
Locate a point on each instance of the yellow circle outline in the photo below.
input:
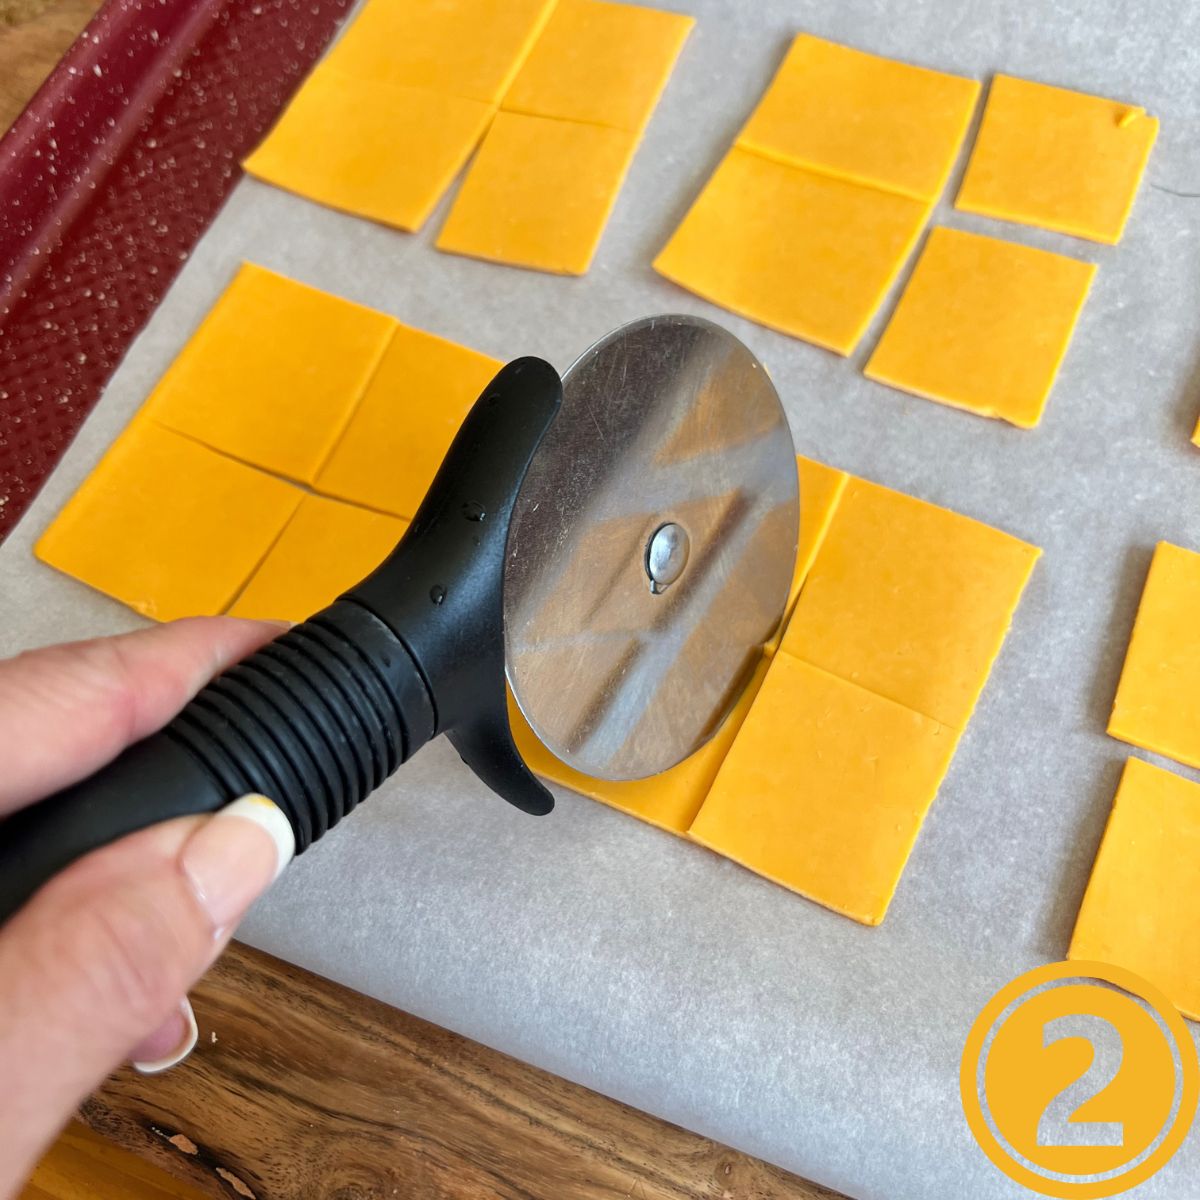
(973, 1105)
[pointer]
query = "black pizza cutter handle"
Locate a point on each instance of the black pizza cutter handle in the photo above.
(320, 717)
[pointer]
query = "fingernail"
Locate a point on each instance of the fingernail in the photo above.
(170, 1044)
(235, 856)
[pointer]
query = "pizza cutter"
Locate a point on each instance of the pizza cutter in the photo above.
(616, 545)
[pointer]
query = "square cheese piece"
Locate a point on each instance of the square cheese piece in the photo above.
(372, 149)
(167, 526)
(539, 193)
(669, 800)
(864, 118)
(326, 548)
(400, 432)
(601, 63)
(1141, 909)
(468, 48)
(806, 254)
(825, 788)
(909, 600)
(273, 373)
(983, 325)
(1158, 701)
(1058, 159)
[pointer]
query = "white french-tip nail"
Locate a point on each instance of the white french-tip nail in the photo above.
(266, 814)
(185, 1047)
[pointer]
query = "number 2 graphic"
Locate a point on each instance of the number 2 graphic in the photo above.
(1057, 1125)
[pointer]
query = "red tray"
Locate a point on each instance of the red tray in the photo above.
(107, 181)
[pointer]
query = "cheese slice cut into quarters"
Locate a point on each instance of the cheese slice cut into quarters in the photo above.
(325, 549)
(413, 406)
(825, 788)
(600, 63)
(670, 800)
(864, 118)
(468, 48)
(273, 373)
(1141, 909)
(370, 148)
(167, 526)
(803, 253)
(909, 600)
(539, 193)
(1057, 159)
(983, 325)
(1157, 705)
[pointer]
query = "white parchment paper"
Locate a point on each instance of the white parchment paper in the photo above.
(650, 969)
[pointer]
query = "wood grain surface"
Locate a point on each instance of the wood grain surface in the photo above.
(34, 35)
(85, 1166)
(301, 1088)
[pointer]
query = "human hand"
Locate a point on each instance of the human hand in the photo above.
(95, 969)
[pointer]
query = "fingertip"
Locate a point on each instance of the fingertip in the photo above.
(227, 869)
(268, 816)
(170, 1044)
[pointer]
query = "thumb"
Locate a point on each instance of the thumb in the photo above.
(95, 966)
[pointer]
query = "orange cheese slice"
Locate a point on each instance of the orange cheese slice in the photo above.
(601, 63)
(167, 526)
(1059, 159)
(864, 118)
(983, 325)
(326, 548)
(1157, 705)
(825, 788)
(1141, 909)
(393, 445)
(273, 373)
(468, 48)
(670, 800)
(909, 600)
(800, 252)
(370, 148)
(539, 193)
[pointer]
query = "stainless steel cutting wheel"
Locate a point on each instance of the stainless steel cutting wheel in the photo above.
(652, 547)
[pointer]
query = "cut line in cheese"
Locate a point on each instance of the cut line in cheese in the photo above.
(468, 48)
(1057, 159)
(1141, 909)
(326, 548)
(392, 446)
(273, 373)
(821, 489)
(1157, 705)
(864, 118)
(539, 193)
(370, 148)
(600, 63)
(909, 600)
(167, 526)
(390, 116)
(669, 800)
(825, 788)
(803, 253)
(983, 325)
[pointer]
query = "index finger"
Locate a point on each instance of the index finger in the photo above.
(67, 710)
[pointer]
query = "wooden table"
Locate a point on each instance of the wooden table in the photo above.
(301, 1089)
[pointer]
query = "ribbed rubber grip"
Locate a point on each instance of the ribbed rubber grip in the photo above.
(315, 720)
